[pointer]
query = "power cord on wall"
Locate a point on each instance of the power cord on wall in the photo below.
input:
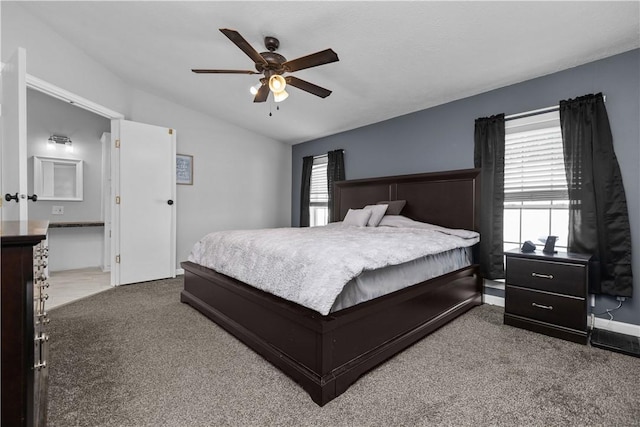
(607, 311)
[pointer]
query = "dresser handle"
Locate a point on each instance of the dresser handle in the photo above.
(39, 366)
(542, 276)
(42, 298)
(546, 307)
(41, 338)
(45, 321)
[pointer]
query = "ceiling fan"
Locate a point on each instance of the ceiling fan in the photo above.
(273, 65)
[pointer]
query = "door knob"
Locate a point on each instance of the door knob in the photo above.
(8, 197)
(33, 197)
(169, 202)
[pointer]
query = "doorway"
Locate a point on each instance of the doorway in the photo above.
(66, 170)
(144, 147)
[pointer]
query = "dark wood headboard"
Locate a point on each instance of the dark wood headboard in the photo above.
(450, 199)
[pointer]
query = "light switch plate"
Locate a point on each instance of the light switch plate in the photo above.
(57, 210)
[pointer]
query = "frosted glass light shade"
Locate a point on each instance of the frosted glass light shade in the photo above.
(280, 96)
(277, 83)
(255, 88)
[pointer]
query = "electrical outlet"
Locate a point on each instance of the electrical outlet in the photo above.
(621, 299)
(57, 210)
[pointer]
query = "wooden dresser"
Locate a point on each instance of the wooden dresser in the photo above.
(24, 341)
(547, 293)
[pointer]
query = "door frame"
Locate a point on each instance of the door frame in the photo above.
(70, 97)
(57, 92)
(19, 61)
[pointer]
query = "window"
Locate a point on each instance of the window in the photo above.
(536, 200)
(319, 197)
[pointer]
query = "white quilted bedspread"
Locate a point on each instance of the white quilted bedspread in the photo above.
(310, 266)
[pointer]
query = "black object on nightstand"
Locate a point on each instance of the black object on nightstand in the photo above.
(547, 293)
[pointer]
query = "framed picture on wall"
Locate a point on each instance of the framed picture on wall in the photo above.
(184, 169)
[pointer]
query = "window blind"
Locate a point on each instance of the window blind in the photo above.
(534, 161)
(319, 187)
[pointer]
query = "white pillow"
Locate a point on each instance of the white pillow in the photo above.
(377, 212)
(357, 217)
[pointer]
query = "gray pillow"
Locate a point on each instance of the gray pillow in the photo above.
(395, 206)
(377, 212)
(357, 217)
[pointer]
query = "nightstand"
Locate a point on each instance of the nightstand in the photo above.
(547, 293)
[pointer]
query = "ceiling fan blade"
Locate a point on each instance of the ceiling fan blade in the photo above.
(308, 87)
(263, 93)
(244, 45)
(319, 58)
(202, 71)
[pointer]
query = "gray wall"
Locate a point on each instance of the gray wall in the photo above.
(441, 138)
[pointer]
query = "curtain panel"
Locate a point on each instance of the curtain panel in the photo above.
(335, 172)
(598, 216)
(305, 190)
(489, 157)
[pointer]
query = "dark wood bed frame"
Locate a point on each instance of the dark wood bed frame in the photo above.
(326, 354)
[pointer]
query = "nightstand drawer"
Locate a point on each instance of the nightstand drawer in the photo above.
(557, 277)
(545, 307)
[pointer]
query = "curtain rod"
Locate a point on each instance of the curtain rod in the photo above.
(327, 154)
(536, 112)
(531, 113)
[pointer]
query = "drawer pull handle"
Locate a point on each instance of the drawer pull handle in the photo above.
(542, 276)
(41, 338)
(546, 307)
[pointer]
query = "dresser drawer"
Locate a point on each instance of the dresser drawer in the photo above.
(557, 277)
(545, 307)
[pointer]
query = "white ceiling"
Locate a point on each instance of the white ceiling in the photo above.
(395, 57)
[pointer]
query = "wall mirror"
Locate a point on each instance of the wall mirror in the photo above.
(57, 179)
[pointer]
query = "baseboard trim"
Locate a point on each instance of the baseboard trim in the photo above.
(606, 324)
(179, 271)
(615, 326)
(493, 300)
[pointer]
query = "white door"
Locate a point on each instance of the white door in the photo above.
(14, 137)
(144, 211)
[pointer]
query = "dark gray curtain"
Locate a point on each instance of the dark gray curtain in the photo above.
(489, 157)
(598, 217)
(305, 190)
(335, 172)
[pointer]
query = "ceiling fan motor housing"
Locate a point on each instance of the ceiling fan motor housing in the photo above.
(274, 63)
(274, 60)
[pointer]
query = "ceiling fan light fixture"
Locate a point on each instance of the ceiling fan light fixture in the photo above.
(272, 65)
(255, 88)
(280, 96)
(277, 84)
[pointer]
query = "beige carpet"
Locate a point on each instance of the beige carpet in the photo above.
(136, 356)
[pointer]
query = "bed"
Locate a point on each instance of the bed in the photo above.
(325, 354)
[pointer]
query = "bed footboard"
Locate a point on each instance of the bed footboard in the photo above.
(326, 354)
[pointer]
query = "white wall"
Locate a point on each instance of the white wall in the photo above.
(74, 248)
(53, 59)
(241, 179)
